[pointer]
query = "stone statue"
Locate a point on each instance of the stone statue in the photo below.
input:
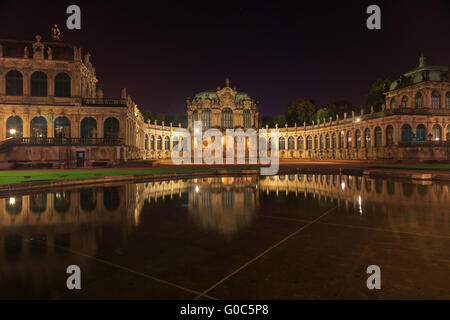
(49, 53)
(87, 58)
(25, 52)
(56, 33)
(422, 60)
(227, 82)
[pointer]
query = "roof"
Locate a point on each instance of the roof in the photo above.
(13, 48)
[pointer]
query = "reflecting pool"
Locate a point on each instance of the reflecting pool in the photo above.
(298, 236)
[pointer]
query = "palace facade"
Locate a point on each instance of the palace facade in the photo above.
(54, 114)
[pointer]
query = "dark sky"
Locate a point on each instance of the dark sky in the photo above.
(165, 51)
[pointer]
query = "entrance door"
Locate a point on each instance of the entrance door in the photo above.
(80, 159)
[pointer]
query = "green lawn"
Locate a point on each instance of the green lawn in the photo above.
(443, 167)
(7, 177)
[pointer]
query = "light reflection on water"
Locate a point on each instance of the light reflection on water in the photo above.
(35, 228)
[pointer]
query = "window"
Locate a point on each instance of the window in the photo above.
(393, 103)
(341, 139)
(159, 143)
(327, 141)
(447, 100)
(333, 141)
(389, 135)
(421, 133)
(62, 127)
(291, 143)
(321, 141)
(61, 201)
(227, 118)
(407, 134)
(38, 127)
(405, 102)
(437, 132)
(152, 142)
(174, 142)
(309, 142)
(111, 198)
(419, 100)
(436, 100)
(300, 143)
(166, 143)
(194, 116)
(206, 118)
(62, 85)
(111, 128)
(358, 138)
(14, 127)
(349, 139)
(377, 137)
(281, 145)
(14, 83)
(38, 202)
(38, 84)
(88, 199)
(316, 144)
(88, 128)
(247, 119)
(367, 137)
(146, 142)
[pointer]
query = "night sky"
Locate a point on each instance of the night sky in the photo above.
(163, 52)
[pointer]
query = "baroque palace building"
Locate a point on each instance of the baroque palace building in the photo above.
(53, 113)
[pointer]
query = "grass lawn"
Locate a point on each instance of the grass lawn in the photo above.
(7, 177)
(443, 167)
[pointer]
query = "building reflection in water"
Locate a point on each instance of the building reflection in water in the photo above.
(35, 228)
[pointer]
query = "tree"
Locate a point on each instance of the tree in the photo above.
(324, 114)
(267, 120)
(280, 120)
(299, 111)
(376, 97)
(344, 106)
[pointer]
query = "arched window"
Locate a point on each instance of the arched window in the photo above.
(88, 128)
(418, 100)
(14, 83)
(227, 118)
(393, 103)
(349, 139)
(159, 143)
(377, 137)
(447, 100)
(448, 133)
(321, 141)
(38, 84)
(437, 132)
(281, 145)
(14, 127)
(358, 138)
(111, 198)
(407, 134)
(341, 139)
(300, 143)
(38, 202)
(62, 85)
(111, 128)
(166, 143)
(152, 142)
(247, 119)
(291, 143)
(435, 100)
(367, 137)
(14, 205)
(405, 102)
(61, 201)
(316, 142)
(421, 133)
(62, 127)
(38, 127)
(327, 141)
(309, 142)
(206, 118)
(389, 135)
(88, 199)
(146, 142)
(333, 140)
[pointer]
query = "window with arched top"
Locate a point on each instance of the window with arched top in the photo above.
(421, 133)
(62, 85)
(405, 102)
(407, 134)
(316, 142)
(62, 128)
(333, 140)
(152, 142)
(367, 138)
(247, 119)
(309, 143)
(341, 139)
(435, 100)
(281, 145)
(291, 143)
(300, 143)
(14, 83)
(389, 135)
(393, 103)
(146, 142)
(166, 143)
(159, 143)
(349, 139)
(38, 127)
(447, 100)
(358, 138)
(206, 118)
(327, 141)
(321, 142)
(227, 118)
(377, 137)
(111, 128)
(88, 128)
(38, 84)
(436, 132)
(418, 100)
(14, 127)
